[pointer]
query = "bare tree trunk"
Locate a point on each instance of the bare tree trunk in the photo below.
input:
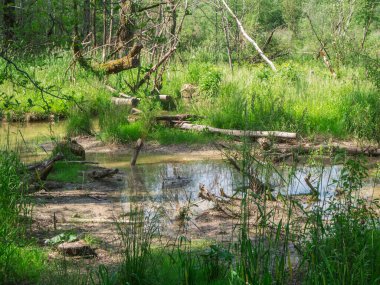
(227, 36)
(127, 26)
(111, 26)
(75, 8)
(241, 28)
(86, 17)
(104, 49)
(9, 17)
(94, 42)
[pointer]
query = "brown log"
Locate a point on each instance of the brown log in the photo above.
(138, 147)
(103, 173)
(238, 133)
(131, 60)
(41, 170)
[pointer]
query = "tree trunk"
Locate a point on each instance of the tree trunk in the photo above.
(129, 61)
(86, 17)
(9, 17)
(94, 42)
(104, 49)
(125, 33)
(242, 30)
(110, 26)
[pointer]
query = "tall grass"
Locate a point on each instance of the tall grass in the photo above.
(18, 262)
(301, 96)
(331, 241)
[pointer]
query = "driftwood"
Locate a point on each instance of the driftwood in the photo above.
(220, 203)
(138, 147)
(314, 191)
(238, 133)
(40, 171)
(103, 173)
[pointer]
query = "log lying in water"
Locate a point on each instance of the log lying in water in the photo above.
(40, 171)
(103, 173)
(238, 133)
(219, 203)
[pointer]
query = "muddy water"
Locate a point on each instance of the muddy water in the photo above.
(156, 177)
(27, 137)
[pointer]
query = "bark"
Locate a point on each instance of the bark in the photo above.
(104, 49)
(241, 28)
(9, 18)
(131, 60)
(40, 171)
(127, 25)
(322, 54)
(238, 133)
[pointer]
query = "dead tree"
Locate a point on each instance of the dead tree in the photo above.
(252, 41)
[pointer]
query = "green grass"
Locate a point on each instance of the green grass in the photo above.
(68, 172)
(301, 96)
(19, 262)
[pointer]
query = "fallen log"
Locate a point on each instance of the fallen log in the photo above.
(103, 173)
(131, 60)
(40, 171)
(238, 133)
(132, 101)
